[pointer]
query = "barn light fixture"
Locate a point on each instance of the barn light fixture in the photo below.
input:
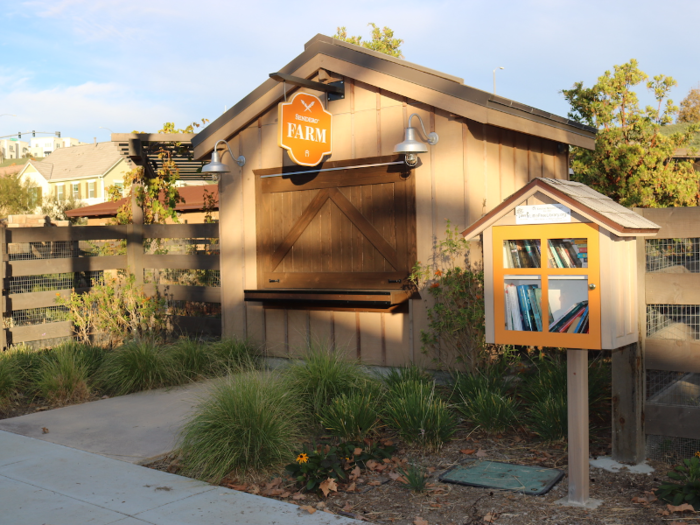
(218, 168)
(411, 146)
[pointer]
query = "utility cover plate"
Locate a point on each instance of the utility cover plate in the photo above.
(504, 476)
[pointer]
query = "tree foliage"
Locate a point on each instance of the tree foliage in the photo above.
(16, 195)
(157, 195)
(382, 40)
(633, 160)
(690, 107)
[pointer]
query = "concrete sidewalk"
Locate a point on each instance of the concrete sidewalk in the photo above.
(44, 483)
(134, 428)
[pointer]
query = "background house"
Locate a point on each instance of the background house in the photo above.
(83, 172)
(13, 149)
(45, 146)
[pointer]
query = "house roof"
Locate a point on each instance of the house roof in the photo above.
(595, 206)
(193, 201)
(404, 78)
(75, 162)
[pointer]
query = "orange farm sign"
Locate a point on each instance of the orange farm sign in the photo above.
(305, 129)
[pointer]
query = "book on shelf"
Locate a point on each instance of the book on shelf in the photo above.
(568, 253)
(521, 254)
(523, 307)
(574, 320)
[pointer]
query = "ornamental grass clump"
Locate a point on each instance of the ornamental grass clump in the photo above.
(351, 417)
(415, 477)
(231, 355)
(193, 358)
(63, 375)
(249, 421)
(482, 398)
(419, 415)
(411, 372)
(138, 365)
(323, 374)
(10, 376)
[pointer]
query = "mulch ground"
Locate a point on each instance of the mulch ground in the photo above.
(378, 494)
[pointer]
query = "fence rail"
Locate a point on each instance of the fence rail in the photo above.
(669, 264)
(44, 260)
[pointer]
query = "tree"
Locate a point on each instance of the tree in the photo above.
(633, 161)
(382, 40)
(17, 196)
(690, 107)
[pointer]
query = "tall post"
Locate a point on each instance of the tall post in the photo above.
(3, 295)
(628, 377)
(134, 241)
(577, 390)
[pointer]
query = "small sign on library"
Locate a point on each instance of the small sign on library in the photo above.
(542, 214)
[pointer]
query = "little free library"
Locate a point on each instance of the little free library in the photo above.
(339, 172)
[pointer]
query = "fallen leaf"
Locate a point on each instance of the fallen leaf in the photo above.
(419, 521)
(387, 460)
(490, 518)
(371, 464)
(351, 487)
(431, 469)
(681, 508)
(241, 488)
(677, 523)
(348, 507)
(374, 483)
(308, 508)
(663, 512)
(387, 443)
(320, 505)
(272, 492)
(380, 467)
(468, 451)
(637, 499)
(355, 473)
(273, 483)
(328, 486)
(357, 451)
(394, 475)
(481, 454)
(44, 430)
(254, 489)
(435, 505)
(298, 496)
(285, 494)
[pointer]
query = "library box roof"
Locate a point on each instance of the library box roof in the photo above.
(592, 205)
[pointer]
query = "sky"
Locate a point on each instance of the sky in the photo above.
(85, 67)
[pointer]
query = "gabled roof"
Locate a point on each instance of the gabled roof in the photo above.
(76, 162)
(595, 206)
(193, 201)
(398, 76)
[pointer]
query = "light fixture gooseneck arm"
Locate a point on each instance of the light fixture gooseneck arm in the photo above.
(432, 137)
(239, 160)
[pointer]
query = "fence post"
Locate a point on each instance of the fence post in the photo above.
(3, 296)
(134, 251)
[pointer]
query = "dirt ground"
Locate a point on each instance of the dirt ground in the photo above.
(379, 497)
(20, 405)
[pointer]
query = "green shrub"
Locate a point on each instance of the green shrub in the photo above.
(688, 490)
(548, 417)
(136, 366)
(416, 477)
(411, 372)
(27, 361)
(419, 415)
(249, 421)
(323, 375)
(490, 410)
(62, 376)
(351, 417)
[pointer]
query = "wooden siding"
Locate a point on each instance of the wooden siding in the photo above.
(471, 170)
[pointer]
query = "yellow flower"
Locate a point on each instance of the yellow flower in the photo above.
(697, 453)
(302, 458)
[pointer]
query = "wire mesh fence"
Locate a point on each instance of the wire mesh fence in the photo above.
(673, 321)
(673, 388)
(55, 281)
(210, 278)
(194, 309)
(33, 316)
(671, 450)
(181, 246)
(673, 255)
(30, 251)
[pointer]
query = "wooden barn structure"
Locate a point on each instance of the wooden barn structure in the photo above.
(325, 255)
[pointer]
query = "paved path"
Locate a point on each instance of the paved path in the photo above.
(85, 470)
(134, 428)
(43, 483)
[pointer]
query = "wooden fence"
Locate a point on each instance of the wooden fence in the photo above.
(31, 258)
(669, 313)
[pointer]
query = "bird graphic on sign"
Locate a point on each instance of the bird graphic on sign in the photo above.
(308, 106)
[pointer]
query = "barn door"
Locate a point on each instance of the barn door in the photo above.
(348, 229)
